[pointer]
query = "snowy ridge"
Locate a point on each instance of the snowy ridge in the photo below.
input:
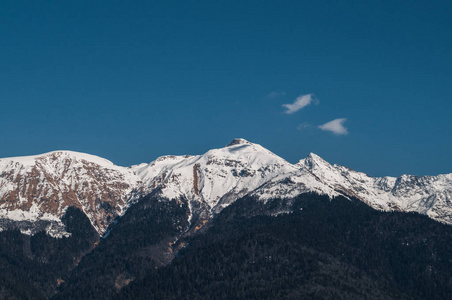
(30, 160)
(45, 185)
(430, 195)
(42, 187)
(217, 177)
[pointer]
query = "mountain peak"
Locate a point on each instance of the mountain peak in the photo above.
(312, 160)
(58, 154)
(238, 141)
(314, 157)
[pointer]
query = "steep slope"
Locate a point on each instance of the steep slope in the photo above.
(430, 195)
(340, 249)
(33, 266)
(212, 181)
(42, 187)
(220, 176)
(143, 239)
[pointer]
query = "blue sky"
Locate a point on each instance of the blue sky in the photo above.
(134, 80)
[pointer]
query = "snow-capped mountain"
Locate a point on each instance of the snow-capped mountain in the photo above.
(216, 178)
(430, 195)
(42, 187)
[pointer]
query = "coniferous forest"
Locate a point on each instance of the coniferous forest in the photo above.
(325, 249)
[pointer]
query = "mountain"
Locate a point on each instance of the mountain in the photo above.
(429, 195)
(324, 249)
(212, 181)
(234, 222)
(35, 191)
(339, 249)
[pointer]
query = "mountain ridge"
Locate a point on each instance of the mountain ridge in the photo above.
(42, 187)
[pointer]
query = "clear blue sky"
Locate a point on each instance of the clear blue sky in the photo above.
(134, 80)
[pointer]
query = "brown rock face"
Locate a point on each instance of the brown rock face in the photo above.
(52, 182)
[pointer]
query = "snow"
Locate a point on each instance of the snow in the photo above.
(238, 141)
(31, 160)
(67, 178)
(237, 169)
(424, 195)
(33, 214)
(210, 181)
(288, 187)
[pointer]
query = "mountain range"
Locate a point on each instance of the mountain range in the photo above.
(36, 191)
(237, 222)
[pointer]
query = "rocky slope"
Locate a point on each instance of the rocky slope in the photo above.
(220, 176)
(430, 195)
(35, 191)
(42, 187)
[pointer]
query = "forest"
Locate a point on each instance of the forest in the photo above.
(324, 249)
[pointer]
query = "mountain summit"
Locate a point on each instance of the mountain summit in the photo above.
(40, 188)
(238, 141)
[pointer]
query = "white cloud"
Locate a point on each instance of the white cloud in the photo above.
(300, 102)
(276, 94)
(336, 126)
(303, 125)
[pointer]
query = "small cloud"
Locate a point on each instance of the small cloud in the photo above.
(275, 94)
(336, 126)
(304, 125)
(300, 102)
